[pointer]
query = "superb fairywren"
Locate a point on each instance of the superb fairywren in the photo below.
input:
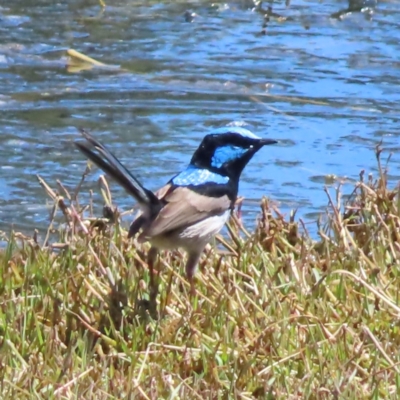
(196, 203)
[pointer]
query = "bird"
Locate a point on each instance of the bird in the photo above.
(195, 204)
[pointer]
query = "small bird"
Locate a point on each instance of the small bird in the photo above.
(195, 204)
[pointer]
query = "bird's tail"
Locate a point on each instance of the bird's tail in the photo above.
(104, 159)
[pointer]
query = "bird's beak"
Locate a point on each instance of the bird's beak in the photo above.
(265, 142)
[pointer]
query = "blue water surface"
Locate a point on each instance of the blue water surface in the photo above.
(326, 85)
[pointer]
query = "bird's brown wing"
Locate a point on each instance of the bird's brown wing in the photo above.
(184, 207)
(141, 221)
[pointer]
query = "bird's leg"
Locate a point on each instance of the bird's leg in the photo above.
(151, 259)
(191, 269)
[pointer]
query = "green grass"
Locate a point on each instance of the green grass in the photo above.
(277, 315)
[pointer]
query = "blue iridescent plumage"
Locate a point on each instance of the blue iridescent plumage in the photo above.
(236, 129)
(198, 176)
(225, 154)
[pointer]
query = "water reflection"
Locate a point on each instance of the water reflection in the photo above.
(362, 6)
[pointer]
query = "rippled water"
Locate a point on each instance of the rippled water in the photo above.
(323, 81)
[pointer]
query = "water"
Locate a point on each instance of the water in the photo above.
(326, 87)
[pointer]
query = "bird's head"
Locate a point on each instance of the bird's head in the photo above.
(227, 150)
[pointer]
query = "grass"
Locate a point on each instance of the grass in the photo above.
(277, 314)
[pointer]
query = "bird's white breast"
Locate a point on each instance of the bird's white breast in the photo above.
(193, 236)
(204, 230)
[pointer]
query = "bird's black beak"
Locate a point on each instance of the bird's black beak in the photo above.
(265, 142)
(262, 142)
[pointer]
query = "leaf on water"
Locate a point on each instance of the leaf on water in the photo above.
(78, 62)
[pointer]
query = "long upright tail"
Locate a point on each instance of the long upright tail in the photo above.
(104, 159)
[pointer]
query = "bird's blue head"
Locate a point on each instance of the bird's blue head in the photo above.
(227, 151)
